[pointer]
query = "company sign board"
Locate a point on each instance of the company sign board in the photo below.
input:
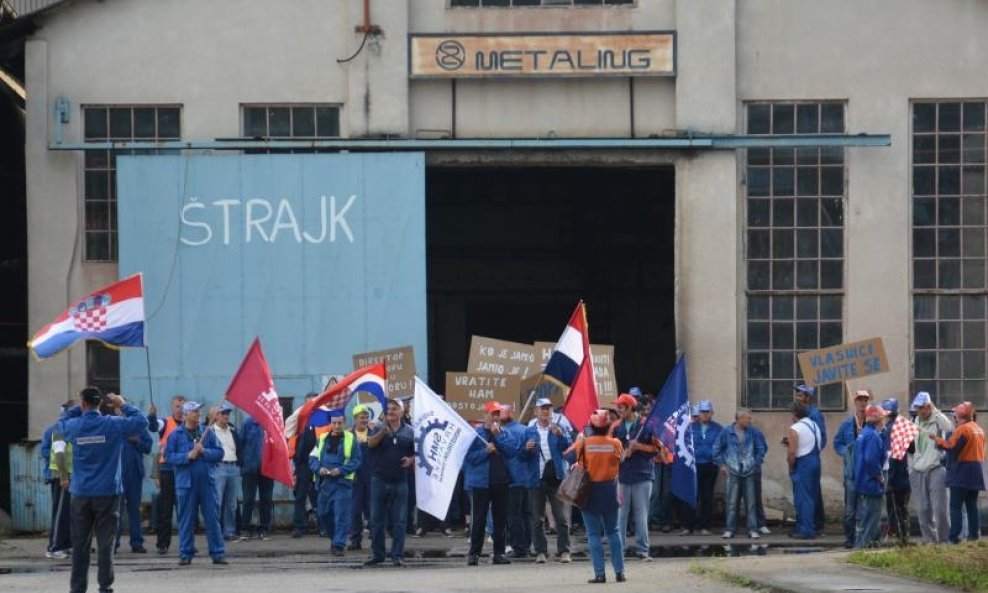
(542, 55)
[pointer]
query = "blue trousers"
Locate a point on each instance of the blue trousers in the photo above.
(227, 486)
(869, 516)
(635, 499)
(738, 487)
(805, 471)
(599, 526)
(850, 510)
(334, 507)
(201, 496)
(968, 499)
(389, 505)
(130, 502)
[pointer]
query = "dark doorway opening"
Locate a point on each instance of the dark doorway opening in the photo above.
(510, 251)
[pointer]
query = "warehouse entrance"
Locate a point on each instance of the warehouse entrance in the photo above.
(510, 251)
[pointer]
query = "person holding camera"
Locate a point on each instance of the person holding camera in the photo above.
(97, 444)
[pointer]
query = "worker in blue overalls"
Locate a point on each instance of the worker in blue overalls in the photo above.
(803, 442)
(132, 474)
(194, 451)
(333, 462)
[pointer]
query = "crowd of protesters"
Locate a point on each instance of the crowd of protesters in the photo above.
(357, 476)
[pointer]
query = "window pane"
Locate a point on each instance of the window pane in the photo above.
(949, 273)
(949, 117)
(832, 118)
(759, 156)
(95, 123)
(279, 122)
(831, 243)
(782, 275)
(973, 307)
(807, 119)
(974, 116)
(758, 336)
(949, 148)
(949, 211)
(806, 307)
(949, 365)
(830, 334)
(783, 366)
(758, 181)
(808, 181)
(758, 245)
(758, 308)
(974, 365)
(924, 211)
(782, 212)
(807, 337)
(924, 181)
(303, 122)
(758, 364)
(758, 394)
(950, 307)
(831, 155)
(925, 273)
(831, 274)
(831, 307)
(328, 121)
(144, 122)
(806, 275)
(924, 117)
(97, 246)
(974, 148)
(783, 156)
(807, 243)
(758, 275)
(925, 149)
(974, 335)
(782, 119)
(97, 185)
(948, 180)
(782, 244)
(973, 273)
(782, 338)
(949, 242)
(120, 125)
(832, 181)
(925, 335)
(782, 307)
(973, 211)
(973, 180)
(832, 212)
(925, 364)
(169, 123)
(782, 181)
(97, 216)
(758, 213)
(759, 118)
(255, 122)
(924, 307)
(807, 212)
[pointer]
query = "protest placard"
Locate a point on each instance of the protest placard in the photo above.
(500, 357)
(400, 363)
(844, 362)
(468, 392)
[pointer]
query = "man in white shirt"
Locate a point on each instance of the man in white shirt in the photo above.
(227, 471)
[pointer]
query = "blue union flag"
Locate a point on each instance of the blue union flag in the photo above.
(670, 421)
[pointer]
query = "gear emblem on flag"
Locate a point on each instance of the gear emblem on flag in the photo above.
(420, 442)
(680, 422)
(89, 315)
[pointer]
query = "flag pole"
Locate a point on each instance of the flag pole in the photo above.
(147, 356)
(531, 395)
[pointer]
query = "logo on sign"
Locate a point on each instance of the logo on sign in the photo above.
(451, 55)
(89, 315)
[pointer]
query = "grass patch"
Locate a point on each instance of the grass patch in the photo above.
(964, 566)
(718, 573)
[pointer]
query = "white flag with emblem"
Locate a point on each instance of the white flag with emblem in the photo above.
(442, 439)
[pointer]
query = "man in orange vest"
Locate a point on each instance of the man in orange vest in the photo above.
(166, 480)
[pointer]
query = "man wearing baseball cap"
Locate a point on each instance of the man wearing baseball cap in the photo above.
(844, 445)
(635, 477)
(542, 450)
(869, 479)
(486, 476)
(705, 433)
(927, 474)
(965, 476)
(194, 452)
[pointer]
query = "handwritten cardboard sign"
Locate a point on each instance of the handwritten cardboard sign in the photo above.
(468, 392)
(400, 363)
(500, 357)
(603, 368)
(844, 362)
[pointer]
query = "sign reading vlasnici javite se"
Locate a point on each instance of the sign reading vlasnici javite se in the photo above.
(542, 55)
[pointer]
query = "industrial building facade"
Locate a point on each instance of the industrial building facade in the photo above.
(680, 192)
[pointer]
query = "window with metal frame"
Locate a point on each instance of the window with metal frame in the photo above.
(102, 366)
(950, 290)
(108, 123)
(527, 3)
(794, 250)
(290, 122)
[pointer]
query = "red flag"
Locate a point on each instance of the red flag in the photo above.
(902, 435)
(582, 400)
(337, 396)
(252, 390)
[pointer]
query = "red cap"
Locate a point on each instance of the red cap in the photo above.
(492, 407)
(599, 418)
(626, 400)
(875, 412)
(965, 409)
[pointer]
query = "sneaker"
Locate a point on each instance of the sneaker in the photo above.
(220, 560)
(472, 560)
(508, 550)
(704, 532)
(184, 561)
(643, 557)
(754, 535)
(728, 534)
(619, 577)
(338, 552)
(162, 551)
(565, 558)
(448, 532)
(138, 550)
(419, 532)
(490, 540)
(56, 555)
(685, 532)
(765, 530)
(373, 561)
(498, 559)
(263, 535)
(397, 563)
(540, 559)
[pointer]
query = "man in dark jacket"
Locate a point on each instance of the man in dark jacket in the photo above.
(487, 478)
(519, 507)
(869, 480)
(637, 468)
(897, 488)
(132, 474)
(392, 447)
(705, 432)
(255, 485)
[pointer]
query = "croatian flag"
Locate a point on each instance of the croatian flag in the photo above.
(564, 364)
(370, 382)
(670, 421)
(113, 315)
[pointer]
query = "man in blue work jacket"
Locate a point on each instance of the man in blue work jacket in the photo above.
(869, 479)
(194, 452)
(542, 451)
(333, 462)
(486, 476)
(705, 432)
(519, 508)
(132, 473)
(97, 443)
(845, 444)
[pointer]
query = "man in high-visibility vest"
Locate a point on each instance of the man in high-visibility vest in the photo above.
(60, 536)
(166, 472)
(333, 461)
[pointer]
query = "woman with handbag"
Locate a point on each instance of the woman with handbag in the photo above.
(600, 455)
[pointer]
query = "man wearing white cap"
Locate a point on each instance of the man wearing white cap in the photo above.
(844, 446)
(542, 450)
(927, 473)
